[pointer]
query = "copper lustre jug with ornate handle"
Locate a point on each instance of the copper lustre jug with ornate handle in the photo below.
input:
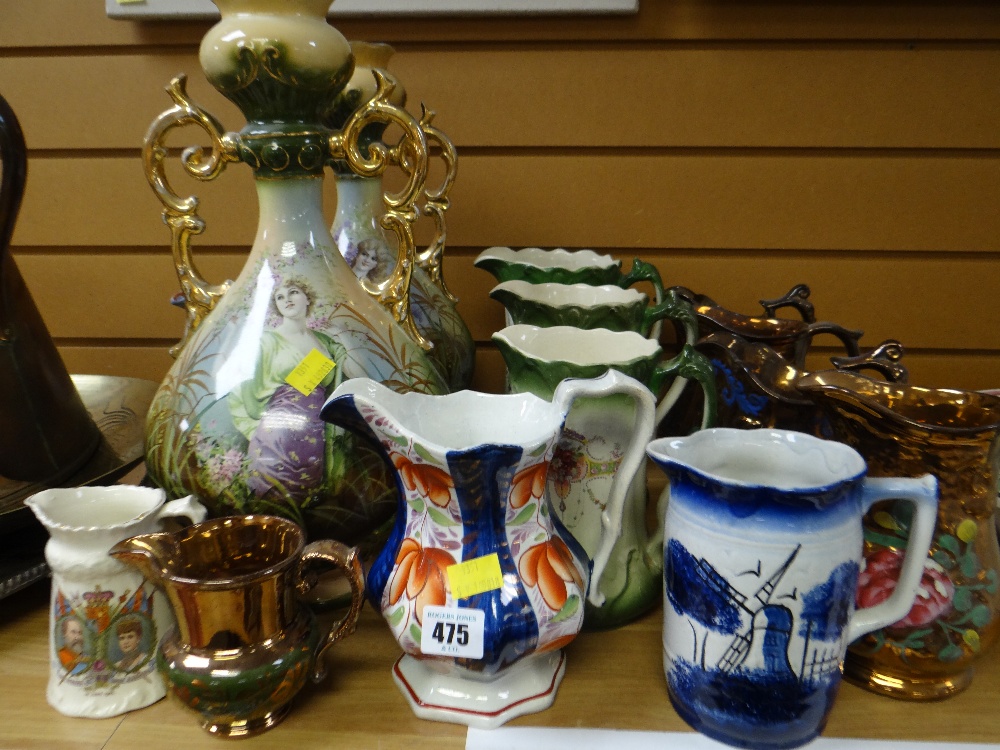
(46, 433)
(244, 643)
(904, 430)
(789, 337)
(236, 420)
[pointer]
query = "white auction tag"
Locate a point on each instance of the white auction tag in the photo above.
(450, 631)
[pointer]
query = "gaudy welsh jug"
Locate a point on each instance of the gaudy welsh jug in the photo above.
(476, 544)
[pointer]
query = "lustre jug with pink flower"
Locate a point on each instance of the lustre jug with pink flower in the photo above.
(905, 430)
(480, 582)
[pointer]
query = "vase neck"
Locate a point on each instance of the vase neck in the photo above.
(356, 194)
(291, 213)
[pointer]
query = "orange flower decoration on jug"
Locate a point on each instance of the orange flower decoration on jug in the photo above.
(421, 574)
(428, 481)
(549, 566)
(528, 484)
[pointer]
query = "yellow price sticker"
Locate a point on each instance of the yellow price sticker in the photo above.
(475, 576)
(310, 372)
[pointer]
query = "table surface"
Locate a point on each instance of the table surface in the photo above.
(614, 679)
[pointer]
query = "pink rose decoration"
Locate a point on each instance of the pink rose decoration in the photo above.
(878, 580)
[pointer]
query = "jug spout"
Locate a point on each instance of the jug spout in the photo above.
(149, 553)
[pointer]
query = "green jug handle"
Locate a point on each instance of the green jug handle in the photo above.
(643, 271)
(673, 307)
(690, 364)
(199, 297)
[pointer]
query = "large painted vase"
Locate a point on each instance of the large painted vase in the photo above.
(472, 470)
(236, 420)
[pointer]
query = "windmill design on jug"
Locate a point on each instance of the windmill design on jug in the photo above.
(782, 638)
(762, 557)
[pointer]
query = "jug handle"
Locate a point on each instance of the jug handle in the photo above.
(884, 359)
(643, 271)
(849, 338)
(797, 297)
(410, 154)
(181, 214)
(690, 364)
(437, 204)
(923, 493)
(653, 553)
(184, 507)
(673, 307)
(633, 460)
(348, 560)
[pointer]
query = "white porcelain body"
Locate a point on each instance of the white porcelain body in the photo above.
(762, 552)
(105, 619)
(445, 693)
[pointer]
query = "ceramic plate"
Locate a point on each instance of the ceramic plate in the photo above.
(118, 406)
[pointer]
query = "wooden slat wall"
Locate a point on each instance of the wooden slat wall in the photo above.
(742, 147)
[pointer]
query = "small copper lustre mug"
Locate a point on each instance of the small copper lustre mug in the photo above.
(244, 644)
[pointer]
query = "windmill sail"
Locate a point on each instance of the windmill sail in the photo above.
(740, 645)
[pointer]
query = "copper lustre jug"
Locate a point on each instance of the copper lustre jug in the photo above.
(47, 432)
(903, 430)
(245, 642)
(789, 337)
